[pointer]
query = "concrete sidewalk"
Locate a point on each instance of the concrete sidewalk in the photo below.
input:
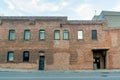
(61, 71)
(15, 70)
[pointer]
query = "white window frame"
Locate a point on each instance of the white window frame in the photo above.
(80, 34)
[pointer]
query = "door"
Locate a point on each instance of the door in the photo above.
(96, 63)
(41, 62)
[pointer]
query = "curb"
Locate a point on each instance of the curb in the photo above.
(55, 71)
(16, 70)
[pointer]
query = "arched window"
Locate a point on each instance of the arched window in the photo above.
(11, 34)
(65, 34)
(10, 56)
(57, 34)
(27, 34)
(42, 34)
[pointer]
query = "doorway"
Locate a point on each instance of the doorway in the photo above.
(96, 63)
(41, 62)
(99, 58)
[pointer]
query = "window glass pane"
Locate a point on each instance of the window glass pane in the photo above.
(66, 34)
(42, 34)
(27, 34)
(80, 34)
(11, 34)
(57, 34)
(94, 34)
(10, 56)
(26, 54)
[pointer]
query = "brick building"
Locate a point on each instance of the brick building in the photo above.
(55, 43)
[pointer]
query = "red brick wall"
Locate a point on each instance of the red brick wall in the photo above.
(113, 57)
(72, 54)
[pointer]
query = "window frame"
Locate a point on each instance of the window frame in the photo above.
(64, 35)
(10, 32)
(40, 34)
(25, 35)
(94, 35)
(78, 33)
(26, 59)
(55, 35)
(8, 56)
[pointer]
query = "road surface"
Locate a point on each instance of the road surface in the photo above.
(58, 75)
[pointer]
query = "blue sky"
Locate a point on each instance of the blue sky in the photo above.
(73, 9)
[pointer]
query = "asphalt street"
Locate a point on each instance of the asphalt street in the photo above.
(58, 75)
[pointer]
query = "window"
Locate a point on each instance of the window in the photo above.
(66, 34)
(80, 34)
(11, 34)
(94, 34)
(25, 56)
(10, 56)
(42, 34)
(57, 34)
(27, 34)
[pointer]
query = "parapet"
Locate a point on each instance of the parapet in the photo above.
(58, 18)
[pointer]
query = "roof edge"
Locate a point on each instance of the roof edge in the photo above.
(34, 17)
(86, 22)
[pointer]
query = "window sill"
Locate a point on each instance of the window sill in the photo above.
(94, 40)
(41, 39)
(10, 61)
(80, 39)
(11, 40)
(25, 61)
(66, 39)
(56, 39)
(26, 40)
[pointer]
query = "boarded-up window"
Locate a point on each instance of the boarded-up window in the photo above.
(73, 58)
(49, 58)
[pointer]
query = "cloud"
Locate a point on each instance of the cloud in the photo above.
(31, 6)
(2, 12)
(85, 11)
(64, 3)
(117, 8)
(48, 7)
(10, 4)
(74, 9)
(35, 1)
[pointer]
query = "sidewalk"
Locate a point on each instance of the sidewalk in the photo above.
(15, 70)
(52, 71)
